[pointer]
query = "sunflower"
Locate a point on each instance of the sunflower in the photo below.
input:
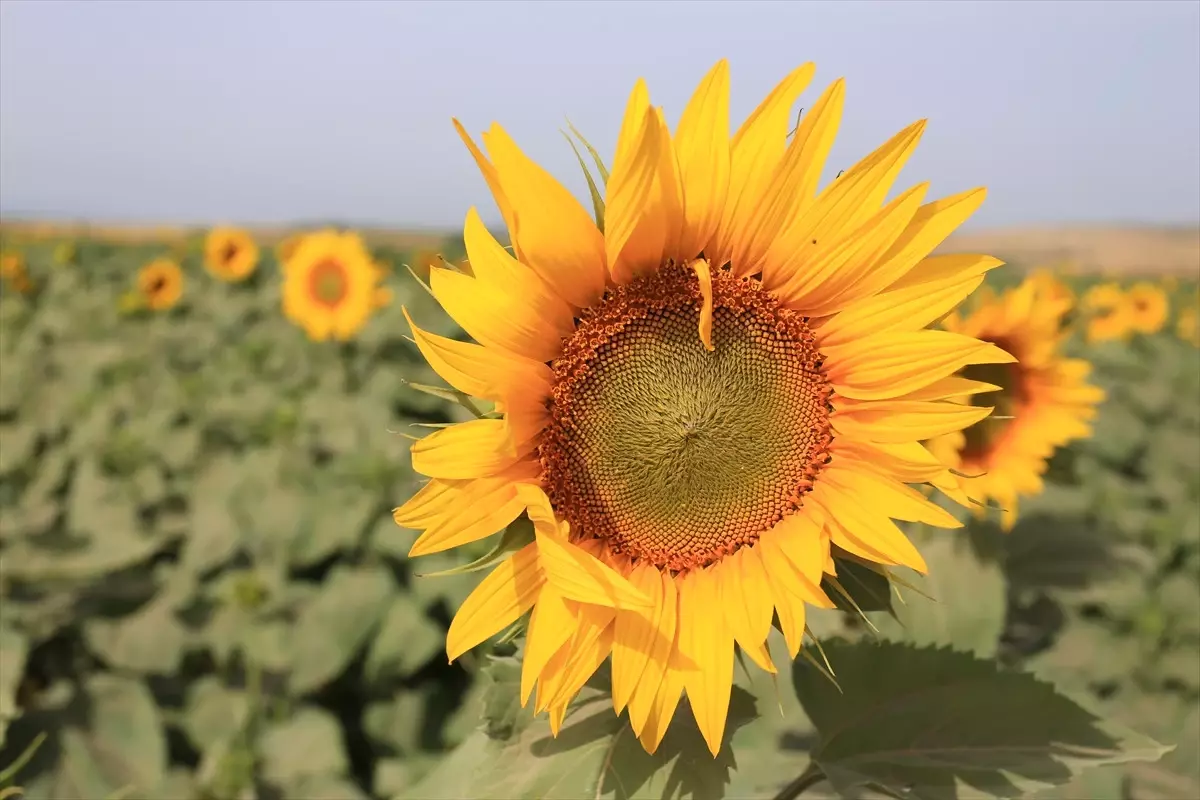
(160, 284)
(1107, 313)
(1187, 326)
(1149, 308)
(695, 399)
(230, 254)
(287, 247)
(331, 285)
(1053, 290)
(11, 264)
(65, 253)
(1042, 401)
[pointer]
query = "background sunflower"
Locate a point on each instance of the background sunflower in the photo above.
(331, 285)
(230, 254)
(160, 284)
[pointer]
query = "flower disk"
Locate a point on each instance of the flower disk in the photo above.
(637, 452)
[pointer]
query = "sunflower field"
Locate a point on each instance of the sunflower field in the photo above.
(204, 593)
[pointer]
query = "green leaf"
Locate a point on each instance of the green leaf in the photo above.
(214, 713)
(934, 723)
(407, 639)
(305, 747)
(396, 724)
(517, 535)
(965, 606)
(596, 754)
(123, 747)
(149, 641)
(868, 589)
(331, 629)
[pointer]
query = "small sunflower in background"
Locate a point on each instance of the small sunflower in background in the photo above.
(1042, 400)
(331, 285)
(65, 253)
(287, 248)
(1187, 327)
(703, 398)
(1106, 313)
(1149, 308)
(160, 284)
(14, 274)
(1051, 289)
(230, 254)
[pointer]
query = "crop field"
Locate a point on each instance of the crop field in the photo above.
(203, 593)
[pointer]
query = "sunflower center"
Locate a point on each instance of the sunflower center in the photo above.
(228, 252)
(327, 282)
(673, 454)
(157, 284)
(981, 436)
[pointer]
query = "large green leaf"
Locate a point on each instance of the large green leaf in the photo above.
(934, 723)
(13, 651)
(304, 748)
(596, 754)
(332, 628)
(963, 604)
(406, 640)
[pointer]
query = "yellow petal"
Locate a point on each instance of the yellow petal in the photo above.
(893, 364)
(845, 204)
(798, 536)
(584, 578)
(788, 607)
(658, 657)
(495, 317)
(634, 635)
(786, 575)
(855, 526)
(890, 497)
(955, 266)
(710, 646)
(631, 246)
(477, 371)
(474, 449)
(497, 602)
(792, 186)
(557, 237)
(907, 309)
(662, 711)
(706, 302)
(820, 284)
(493, 180)
(953, 386)
(928, 229)
(746, 599)
(702, 150)
(476, 509)
(895, 421)
(755, 153)
(550, 625)
(588, 652)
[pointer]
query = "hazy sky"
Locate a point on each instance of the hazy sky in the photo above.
(276, 111)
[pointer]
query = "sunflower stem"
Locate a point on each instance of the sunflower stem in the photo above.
(811, 776)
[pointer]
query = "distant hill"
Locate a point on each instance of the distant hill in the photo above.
(1129, 250)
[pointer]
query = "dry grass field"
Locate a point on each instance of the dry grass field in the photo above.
(1127, 250)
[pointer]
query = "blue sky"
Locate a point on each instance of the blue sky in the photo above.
(266, 112)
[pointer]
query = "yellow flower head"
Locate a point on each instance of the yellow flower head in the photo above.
(11, 264)
(230, 254)
(287, 247)
(699, 399)
(64, 253)
(1107, 313)
(1052, 292)
(1042, 401)
(160, 284)
(1148, 307)
(331, 286)
(1187, 327)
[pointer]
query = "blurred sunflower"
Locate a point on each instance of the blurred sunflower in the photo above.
(1107, 313)
(287, 247)
(1148, 308)
(160, 284)
(699, 397)
(230, 254)
(11, 264)
(331, 285)
(1042, 401)
(1187, 326)
(1052, 290)
(65, 253)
